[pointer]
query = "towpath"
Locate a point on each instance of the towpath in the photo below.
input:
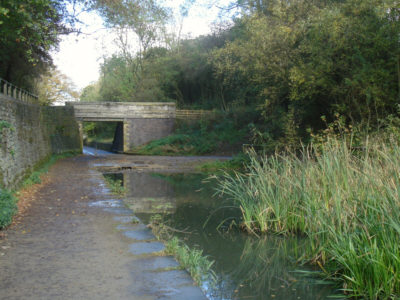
(76, 241)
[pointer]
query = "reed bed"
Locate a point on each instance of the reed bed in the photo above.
(347, 202)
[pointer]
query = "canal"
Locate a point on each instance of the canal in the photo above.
(246, 266)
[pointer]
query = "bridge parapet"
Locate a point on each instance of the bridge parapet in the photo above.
(120, 111)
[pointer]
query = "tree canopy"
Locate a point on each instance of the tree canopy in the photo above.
(55, 87)
(29, 30)
(300, 63)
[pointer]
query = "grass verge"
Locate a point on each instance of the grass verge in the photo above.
(346, 202)
(35, 176)
(223, 135)
(237, 162)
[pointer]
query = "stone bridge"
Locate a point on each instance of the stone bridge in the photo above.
(139, 122)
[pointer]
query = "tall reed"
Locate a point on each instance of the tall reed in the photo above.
(346, 201)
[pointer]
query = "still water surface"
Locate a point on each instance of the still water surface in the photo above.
(247, 267)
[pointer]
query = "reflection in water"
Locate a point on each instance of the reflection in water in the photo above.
(266, 269)
(247, 267)
(148, 194)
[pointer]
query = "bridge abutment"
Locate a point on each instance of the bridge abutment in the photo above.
(80, 127)
(140, 131)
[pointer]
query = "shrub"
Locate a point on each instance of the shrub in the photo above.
(8, 207)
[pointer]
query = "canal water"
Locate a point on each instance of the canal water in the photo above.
(247, 267)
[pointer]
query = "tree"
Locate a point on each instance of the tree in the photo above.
(308, 59)
(29, 30)
(348, 61)
(139, 25)
(144, 19)
(90, 93)
(261, 57)
(55, 87)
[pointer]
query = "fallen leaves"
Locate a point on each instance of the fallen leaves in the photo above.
(26, 197)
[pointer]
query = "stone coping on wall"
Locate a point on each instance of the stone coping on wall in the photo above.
(119, 111)
(121, 103)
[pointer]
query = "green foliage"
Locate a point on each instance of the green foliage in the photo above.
(311, 58)
(202, 137)
(295, 62)
(268, 262)
(193, 260)
(34, 178)
(349, 61)
(125, 74)
(8, 207)
(114, 184)
(29, 31)
(237, 162)
(144, 18)
(4, 125)
(8, 202)
(118, 82)
(53, 86)
(182, 75)
(186, 74)
(345, 201)
(90, 93)
(99, 131)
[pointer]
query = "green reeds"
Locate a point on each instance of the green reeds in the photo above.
(193, 260)
(115, 185)
(346, 202)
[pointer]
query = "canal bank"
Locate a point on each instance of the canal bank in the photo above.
(72, 242)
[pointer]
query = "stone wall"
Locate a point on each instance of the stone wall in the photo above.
(141, 131)
(30, 134)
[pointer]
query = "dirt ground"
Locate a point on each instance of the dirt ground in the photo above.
(74, 240)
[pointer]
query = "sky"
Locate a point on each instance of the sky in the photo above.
(79, 56)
